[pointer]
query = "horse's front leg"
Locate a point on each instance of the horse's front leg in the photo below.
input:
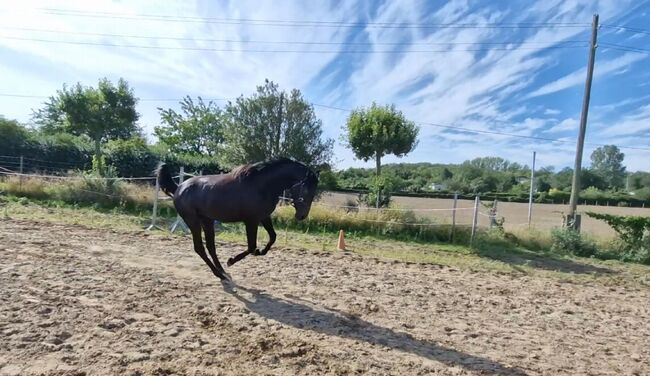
(268, 226)
(251, 236)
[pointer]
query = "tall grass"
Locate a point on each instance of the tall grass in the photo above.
(84, 191)
(399, 225)
(117, 195)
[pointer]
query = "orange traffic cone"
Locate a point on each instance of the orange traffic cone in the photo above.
(341, 243)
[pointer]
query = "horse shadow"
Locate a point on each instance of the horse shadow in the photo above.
(335, 323)
(517, 259)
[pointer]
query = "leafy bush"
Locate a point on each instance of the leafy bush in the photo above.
(132, 157)
(634, 235)
(567, 240)
(383, 186)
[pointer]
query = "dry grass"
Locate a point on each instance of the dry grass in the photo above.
(496, 260)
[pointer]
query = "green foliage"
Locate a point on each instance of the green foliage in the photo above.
(379, 131)
(198, 130)
(62, 150)
(327, 180)
(607, 162)
(99, 167)
(495, 164)
(643, 193)
(192, 163)
(639, 179)
(634, 233)
(132, 157)
(103, 113)
(272, 124)
(15, 138)
(571, 241)
(382, 187)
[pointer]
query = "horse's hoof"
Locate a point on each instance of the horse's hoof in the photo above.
(257, 252)
(231, 262)
(228, 286)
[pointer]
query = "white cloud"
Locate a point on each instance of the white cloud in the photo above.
(568, 124)
(578, 77)
(636, 123)
(480, 90)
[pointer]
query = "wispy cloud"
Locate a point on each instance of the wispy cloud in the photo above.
(469, 82)
(578, 77)
(569, 124)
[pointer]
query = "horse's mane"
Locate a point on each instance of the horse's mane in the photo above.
(254, 169)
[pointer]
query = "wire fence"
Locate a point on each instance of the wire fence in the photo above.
(157, 196)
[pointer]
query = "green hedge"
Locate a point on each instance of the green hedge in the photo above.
(61, 153)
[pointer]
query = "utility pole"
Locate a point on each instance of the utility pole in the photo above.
(573, 219)
(532, 189)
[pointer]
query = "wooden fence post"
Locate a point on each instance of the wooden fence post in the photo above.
(453, 218)
(474, 220)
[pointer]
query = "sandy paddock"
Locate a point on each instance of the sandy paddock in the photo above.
(76, 301)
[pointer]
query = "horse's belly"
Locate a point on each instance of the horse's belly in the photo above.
(234, 211)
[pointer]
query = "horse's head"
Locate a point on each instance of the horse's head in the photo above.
(303, 193)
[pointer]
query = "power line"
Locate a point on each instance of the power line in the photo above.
(151, 37)
(139, 99)
(624, 48)
(283, 51)
(428, 124)
(303, 23)
(634, 30)
(470, 130)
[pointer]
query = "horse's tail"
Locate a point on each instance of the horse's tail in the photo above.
(165, 180)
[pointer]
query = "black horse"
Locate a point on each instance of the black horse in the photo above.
(248, 194)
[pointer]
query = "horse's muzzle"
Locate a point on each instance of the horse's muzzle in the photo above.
(301, 217)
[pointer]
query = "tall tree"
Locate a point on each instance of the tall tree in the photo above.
(103, 113)
(607, 161)
(15, 137)
(272, 124)
(378, 131)
(197, 130)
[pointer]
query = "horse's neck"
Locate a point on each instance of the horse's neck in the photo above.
(281, 179)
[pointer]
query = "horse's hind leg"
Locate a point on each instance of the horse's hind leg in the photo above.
(195, 227)
(251, 236)
(208, 229)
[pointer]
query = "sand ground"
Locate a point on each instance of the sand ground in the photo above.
(75, 300)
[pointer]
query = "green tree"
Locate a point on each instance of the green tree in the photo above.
(607, 161)
(14, 137)
(103, 113)
(272, 124)
(197, 130)
(379, 131)
(446, 174)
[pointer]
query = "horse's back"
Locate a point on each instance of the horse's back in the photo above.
(219, 197)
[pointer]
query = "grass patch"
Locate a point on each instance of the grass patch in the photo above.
(395, 225)
(488, 258)
(399, 233)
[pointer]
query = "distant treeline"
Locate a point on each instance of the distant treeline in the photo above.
(491, 177)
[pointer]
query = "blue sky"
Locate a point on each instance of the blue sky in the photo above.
(497, 79)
